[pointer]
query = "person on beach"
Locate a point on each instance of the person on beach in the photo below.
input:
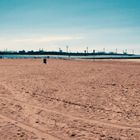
(45, 61)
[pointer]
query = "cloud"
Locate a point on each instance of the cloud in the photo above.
(34, 41)
(44, 39)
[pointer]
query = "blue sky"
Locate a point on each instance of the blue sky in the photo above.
(54, 24)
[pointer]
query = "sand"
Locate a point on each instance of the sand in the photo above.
(69, 100)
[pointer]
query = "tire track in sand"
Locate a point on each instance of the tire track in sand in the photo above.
(126, 127)
(25, 125)
(30, 128)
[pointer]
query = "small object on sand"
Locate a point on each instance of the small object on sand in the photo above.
(45, 61)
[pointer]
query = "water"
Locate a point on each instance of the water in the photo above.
(75, 57)
(27, 56)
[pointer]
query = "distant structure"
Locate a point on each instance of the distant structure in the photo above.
(87, 50)
(133, 52)
(125, 51)
(67, 48)
(116, 50)
(93, 51)
(60, 50)
(104, 50)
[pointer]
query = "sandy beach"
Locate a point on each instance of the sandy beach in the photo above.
(69, 100)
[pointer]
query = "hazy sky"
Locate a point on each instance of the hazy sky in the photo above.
(53, 24)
